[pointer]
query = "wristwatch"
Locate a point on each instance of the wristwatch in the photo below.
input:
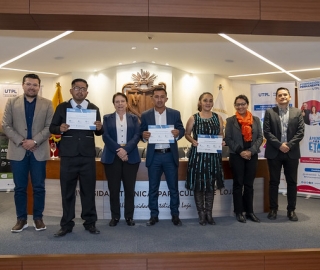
(35, 142)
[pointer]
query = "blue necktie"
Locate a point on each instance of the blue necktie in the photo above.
(79, 106)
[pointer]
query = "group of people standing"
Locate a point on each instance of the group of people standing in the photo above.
(29, 119)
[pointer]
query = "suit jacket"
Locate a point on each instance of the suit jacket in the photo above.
(272, 132)
(14, 125)
(173, 118)
(74, 142)
(110, 138)
(234, 138)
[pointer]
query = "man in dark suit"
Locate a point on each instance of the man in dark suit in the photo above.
(77, 153)
(163, 157)
(283, 128)
(26, 123)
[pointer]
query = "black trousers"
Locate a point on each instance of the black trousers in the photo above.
(290, 167)
(244, 172)
(115, 172)
(72, 169)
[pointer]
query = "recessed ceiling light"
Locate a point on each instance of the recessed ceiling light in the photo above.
(36, 48)
(167, 64)
(155, 48)
(134, 62)
(153, 62)
(120, 63)
(133, 48)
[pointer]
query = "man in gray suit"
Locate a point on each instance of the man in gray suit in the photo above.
(26, 123)
(283, 128)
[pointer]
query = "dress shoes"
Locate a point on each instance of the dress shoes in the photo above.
(241, 218)
(292, 216)
(92, 229)
(152, 221)
(113, 222)
(62, 232)
(272, 214)
(252, 217)
(130, 222)
(176, 221)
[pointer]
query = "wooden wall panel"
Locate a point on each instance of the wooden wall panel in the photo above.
(90, 7)
(14, 7)
(91, 23)
(17, 22)
(290, 10)
(223, 9)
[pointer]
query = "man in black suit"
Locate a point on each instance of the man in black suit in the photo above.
(283, 128)
(77, 153)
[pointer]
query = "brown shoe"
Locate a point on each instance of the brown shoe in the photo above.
(39, 225)
(20, 226)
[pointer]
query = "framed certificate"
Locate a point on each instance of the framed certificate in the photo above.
(209, 144)
(161, 133)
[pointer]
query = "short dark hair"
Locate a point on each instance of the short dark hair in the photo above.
(244, 97)
(32, 76)
(282, 88)
(79, 80)
(201, 96)
(159, 88)
(119, 94)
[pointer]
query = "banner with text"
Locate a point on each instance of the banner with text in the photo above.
(309, 168)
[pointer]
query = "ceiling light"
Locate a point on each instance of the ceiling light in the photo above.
(120, 63)
(167, 64)
(134, 62)
(258, 55)
(155, 48)
(153, 62)
(36, 48)
(31, 71)
(133, 48)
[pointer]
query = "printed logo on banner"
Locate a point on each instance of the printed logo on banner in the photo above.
(314, 144)
(10, 92)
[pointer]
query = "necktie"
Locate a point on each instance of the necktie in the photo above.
(79, 106)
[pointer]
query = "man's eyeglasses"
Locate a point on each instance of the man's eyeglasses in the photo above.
(32, 84)
(80, 89)
(240, 104)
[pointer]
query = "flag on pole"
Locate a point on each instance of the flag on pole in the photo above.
(56, 100)
(220, 107)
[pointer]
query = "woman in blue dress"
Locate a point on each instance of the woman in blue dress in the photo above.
(204, 169)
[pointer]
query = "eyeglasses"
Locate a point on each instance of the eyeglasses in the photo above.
(80, 89)
(32, 84)
(240, 104)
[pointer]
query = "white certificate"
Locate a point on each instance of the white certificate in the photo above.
(81, 119)
(209, 144)
(161, 133)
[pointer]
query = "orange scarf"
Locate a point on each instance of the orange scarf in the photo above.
(246, 125)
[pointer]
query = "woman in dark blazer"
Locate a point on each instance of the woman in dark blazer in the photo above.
(120, 157)
(243, 135)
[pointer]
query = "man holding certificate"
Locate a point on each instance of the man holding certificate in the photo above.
(162, 128)
(77, 120)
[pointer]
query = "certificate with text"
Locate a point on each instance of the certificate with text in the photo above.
(161, 133)
(209, 144)
(81, 119)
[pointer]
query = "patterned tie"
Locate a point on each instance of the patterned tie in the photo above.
(79, 106)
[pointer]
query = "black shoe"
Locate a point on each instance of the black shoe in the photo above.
(152, 221)
(272, 214)
(92, 229)
(62, 232)
(176, 221)
(292, 216)
(241, 218)
(130, 222)
(252, 217)
(113, 222)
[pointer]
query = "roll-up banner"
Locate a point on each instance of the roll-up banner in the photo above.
(309, 167)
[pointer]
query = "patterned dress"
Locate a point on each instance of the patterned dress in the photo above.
(204, 169)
